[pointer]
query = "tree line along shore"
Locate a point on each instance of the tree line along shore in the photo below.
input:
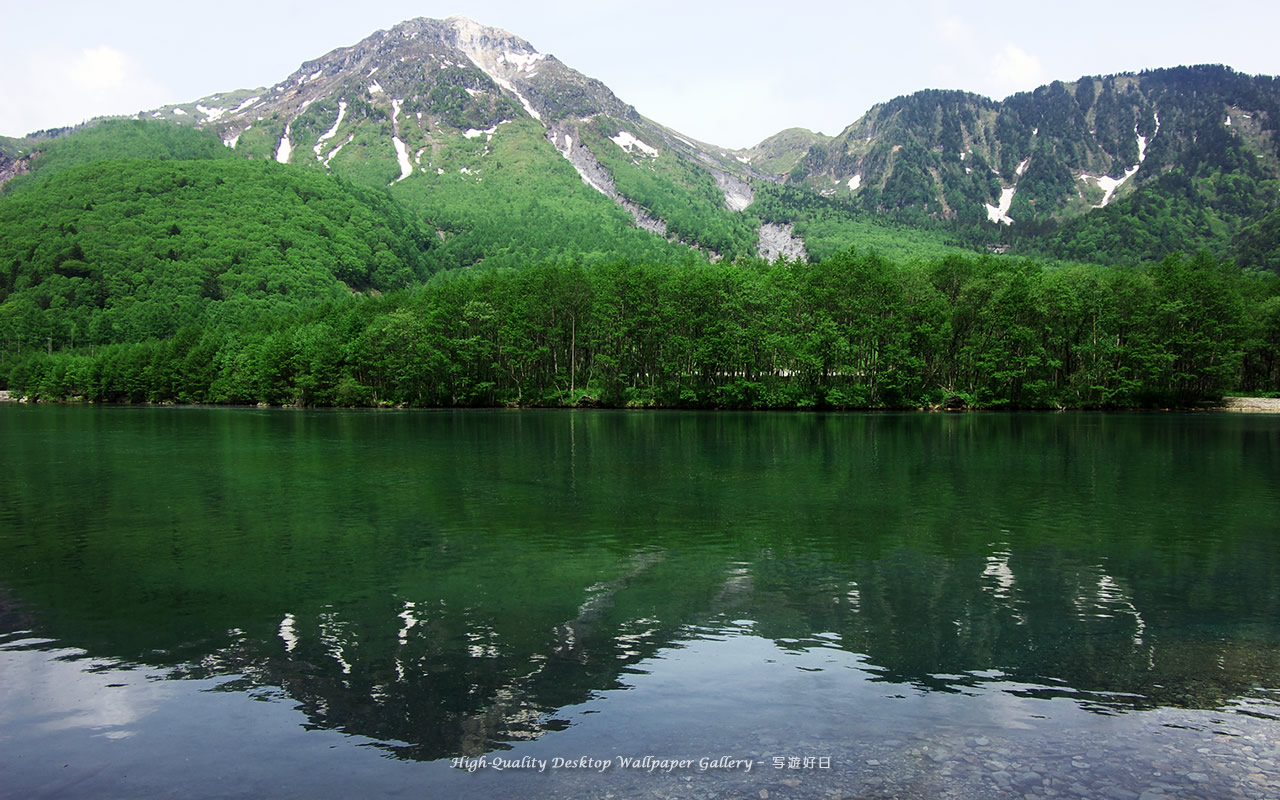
(855, 331)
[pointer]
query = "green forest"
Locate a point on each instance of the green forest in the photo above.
(854, 331)
(142, 263)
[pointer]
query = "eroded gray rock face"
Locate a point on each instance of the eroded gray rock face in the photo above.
(13, 168)
(780, 240)
(738, 194)
(564, 137)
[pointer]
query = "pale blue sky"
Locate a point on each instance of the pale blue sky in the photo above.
(730, 74)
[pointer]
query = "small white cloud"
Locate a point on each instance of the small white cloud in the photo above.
(1015, 70)
(99, 68)
(58, 86)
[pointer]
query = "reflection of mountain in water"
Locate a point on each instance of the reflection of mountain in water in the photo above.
(476, 599)
(439, 675)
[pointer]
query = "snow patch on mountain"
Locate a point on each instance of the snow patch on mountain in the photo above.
(472, 133)
(593, 174)
(627, 141)
(1022, 167)
(506, 84)
(477, 42)
(522, 61)
(335, 150)
(402, 155)
(329, 134)
(1109, 185)
(285, 151)
(212, 114)
(245, 104)
(1001, 213)
(855, 182)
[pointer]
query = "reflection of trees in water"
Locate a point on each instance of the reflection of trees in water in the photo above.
(1111, 635)
(435, 677)
(451, 589)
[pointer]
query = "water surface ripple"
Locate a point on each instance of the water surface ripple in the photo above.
(238, 602)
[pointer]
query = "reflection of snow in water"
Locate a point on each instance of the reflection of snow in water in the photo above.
(1000, 582)
(1106, 601)
(482, 642)
(406, 614)
(289, 632)
(333, 636)
(409, 620)
(998, 568)
(855, 596)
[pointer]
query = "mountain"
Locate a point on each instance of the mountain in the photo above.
(513, 157)
(441, 215)
(1196, 146)
(460, 119)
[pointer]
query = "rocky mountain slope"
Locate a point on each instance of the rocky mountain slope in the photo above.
(510, 155)
(432, 103)
(1058, 152)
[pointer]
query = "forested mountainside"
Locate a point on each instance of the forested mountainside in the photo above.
(1117, 168)
(493, 144)
(366, 231)
(99, 250)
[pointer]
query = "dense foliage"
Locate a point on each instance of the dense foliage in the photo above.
(130, 250)
(481, 196)
(829, 225)
(120, 138)
(143, 262)
(855, 331)
(1196, 147)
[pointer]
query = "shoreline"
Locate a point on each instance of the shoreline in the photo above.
(1250, 405)
(1230, 404)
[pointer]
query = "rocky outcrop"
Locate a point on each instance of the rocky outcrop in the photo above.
(1255, 405)
(738, 194)
(780, 240)
(12, 168)
(565, 138)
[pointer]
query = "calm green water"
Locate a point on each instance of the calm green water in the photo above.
(237, 602)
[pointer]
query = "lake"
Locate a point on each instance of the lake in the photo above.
(211, 602)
